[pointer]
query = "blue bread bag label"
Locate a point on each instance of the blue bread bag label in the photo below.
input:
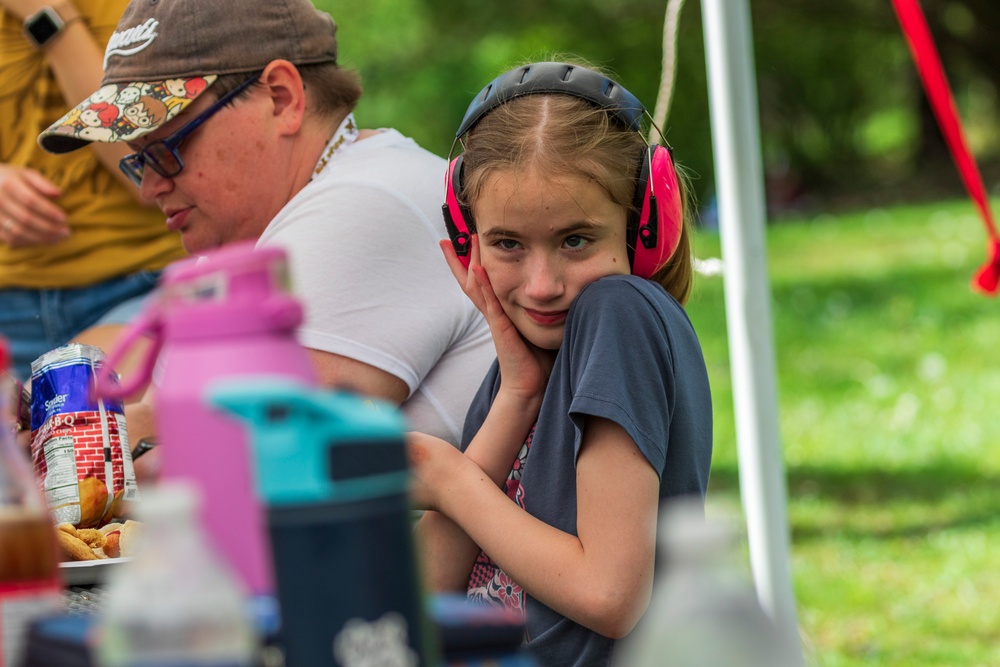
(79, 444)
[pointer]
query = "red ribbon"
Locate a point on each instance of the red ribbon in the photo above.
(942, 102)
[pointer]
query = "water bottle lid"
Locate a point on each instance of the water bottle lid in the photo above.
(169, 499)
(238, 289)
(314, 446)
(226, 264)
(685, 532)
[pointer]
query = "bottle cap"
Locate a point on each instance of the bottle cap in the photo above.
(686, 532)
(169, 499)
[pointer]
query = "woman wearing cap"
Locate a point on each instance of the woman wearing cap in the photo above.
(269, 150)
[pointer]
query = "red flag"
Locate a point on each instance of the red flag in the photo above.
(942, 102)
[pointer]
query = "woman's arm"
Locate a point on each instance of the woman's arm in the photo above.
(77, 61)
(602, 578)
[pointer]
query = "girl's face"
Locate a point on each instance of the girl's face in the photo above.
(543, 238)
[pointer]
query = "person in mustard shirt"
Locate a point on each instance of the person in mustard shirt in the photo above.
(79, 248)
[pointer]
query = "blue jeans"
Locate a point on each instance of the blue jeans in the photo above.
(36, 321)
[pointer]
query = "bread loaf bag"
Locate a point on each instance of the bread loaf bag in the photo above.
(79, 445)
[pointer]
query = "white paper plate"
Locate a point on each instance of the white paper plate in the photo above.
(89, 572)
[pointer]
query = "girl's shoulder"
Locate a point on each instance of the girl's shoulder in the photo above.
(627, 301)
(624, 292)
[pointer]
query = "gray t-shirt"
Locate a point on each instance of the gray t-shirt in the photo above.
(629, 354)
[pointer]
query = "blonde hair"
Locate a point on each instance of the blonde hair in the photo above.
(563, 134)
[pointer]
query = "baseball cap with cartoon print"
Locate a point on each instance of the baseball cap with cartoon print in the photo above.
(165, 53)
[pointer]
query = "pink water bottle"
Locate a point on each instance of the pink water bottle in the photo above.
(224, 315)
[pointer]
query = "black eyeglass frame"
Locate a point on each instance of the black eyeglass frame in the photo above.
(133, 164)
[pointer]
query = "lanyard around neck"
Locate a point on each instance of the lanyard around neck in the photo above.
(345, 135)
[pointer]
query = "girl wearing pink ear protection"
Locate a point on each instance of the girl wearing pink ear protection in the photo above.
(598, 407)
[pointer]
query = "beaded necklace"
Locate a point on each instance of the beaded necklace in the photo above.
(345, 135)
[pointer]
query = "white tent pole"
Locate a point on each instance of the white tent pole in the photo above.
(740, 192)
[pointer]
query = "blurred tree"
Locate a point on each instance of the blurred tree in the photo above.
(841, 108)
(423, 61)
(965, 33)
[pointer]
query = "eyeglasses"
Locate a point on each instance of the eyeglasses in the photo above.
(162, 156)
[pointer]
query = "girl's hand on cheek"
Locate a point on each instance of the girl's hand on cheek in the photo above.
(464, 275)
(524, 368)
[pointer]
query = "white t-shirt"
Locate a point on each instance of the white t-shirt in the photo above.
(362, 241)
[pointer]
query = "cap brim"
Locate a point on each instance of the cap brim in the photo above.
(122, 112)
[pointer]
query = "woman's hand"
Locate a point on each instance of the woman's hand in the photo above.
(524, 368)
(28, 216)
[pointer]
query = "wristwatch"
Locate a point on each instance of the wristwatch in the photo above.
(43, 26)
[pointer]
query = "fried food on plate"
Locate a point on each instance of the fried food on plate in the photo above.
(111, 541)
(74, 547)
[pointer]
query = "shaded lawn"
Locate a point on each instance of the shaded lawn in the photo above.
(887, 373)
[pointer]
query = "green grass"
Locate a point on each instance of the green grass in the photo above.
(888, 370)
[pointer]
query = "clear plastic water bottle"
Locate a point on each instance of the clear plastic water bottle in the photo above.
(704, 611)
(29, 563)
(176, 604)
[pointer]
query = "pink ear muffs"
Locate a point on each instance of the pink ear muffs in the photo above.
(653, 232)
(455, 214)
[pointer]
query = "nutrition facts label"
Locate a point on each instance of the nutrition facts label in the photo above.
(61, 490)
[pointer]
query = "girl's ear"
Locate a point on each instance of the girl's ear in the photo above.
(287, 94)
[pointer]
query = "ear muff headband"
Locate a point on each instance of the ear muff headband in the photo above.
(555, 78)
(653, 233)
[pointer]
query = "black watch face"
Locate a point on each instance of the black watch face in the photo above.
(43, 28)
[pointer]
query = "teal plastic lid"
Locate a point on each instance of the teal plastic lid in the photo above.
(312, 445)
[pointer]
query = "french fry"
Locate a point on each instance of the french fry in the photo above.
(74, 547)
(94, 538)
